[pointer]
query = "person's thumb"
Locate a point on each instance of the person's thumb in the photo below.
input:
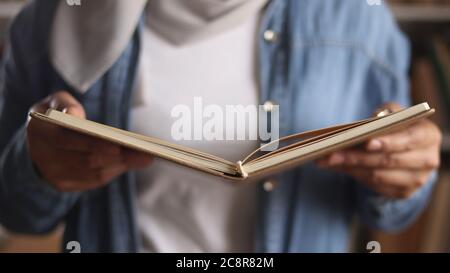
(387, 109)
(63, 101)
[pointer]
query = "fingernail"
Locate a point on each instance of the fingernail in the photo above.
(374, 145)
(336, 159)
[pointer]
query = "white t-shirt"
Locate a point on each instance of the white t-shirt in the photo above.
(179, 209)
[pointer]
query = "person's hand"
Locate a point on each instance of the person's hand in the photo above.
(395, 165)
(70, 161)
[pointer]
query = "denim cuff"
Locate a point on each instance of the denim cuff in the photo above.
(17, 169)
(394, 214)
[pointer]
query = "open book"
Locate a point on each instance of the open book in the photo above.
(292, 150)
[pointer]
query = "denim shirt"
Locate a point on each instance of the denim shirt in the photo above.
(331, 61)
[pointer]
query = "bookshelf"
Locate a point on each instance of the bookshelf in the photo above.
(9, 9)
(420, 21)
(446, 143)
(421, 13)
(403, 12)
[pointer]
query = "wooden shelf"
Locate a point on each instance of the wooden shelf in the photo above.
(413, 13)
(446, 143)
(48, 243)
(422, 13)
(9, 9)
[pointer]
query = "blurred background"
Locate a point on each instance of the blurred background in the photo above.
(427, 24)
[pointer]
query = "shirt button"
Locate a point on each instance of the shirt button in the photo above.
(269, 185)
(270, 36)
(268, 106)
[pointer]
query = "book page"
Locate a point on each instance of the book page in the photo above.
(184, 156)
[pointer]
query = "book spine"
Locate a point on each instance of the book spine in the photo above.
(241, 170)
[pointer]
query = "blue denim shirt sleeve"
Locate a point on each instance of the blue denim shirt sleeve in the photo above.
(27, 203)
(392, 82)
(390, 214)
